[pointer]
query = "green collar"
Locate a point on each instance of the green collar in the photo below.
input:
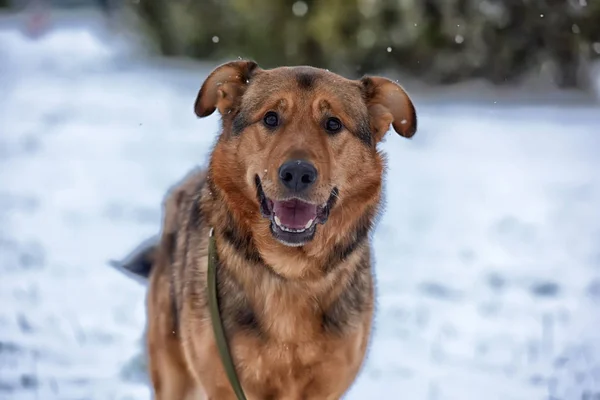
(215, 317)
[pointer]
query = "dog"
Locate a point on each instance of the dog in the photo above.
(291, 194)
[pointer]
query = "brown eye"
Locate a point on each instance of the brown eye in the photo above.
(333, 125)
(271, 119)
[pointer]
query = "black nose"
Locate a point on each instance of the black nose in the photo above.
(297, 175)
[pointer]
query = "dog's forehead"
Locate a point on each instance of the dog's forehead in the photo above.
(303, 81)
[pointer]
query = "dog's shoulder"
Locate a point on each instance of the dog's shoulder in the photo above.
(182, 216)
(180, 198)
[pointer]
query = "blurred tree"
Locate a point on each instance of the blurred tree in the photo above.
(158, 15)
(441, 41)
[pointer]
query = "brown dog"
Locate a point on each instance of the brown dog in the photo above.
(292, 191)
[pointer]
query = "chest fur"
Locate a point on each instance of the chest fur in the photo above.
(300, 370)
(286, 312)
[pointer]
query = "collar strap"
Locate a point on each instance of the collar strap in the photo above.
(215, 317)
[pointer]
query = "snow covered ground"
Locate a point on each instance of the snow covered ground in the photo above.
(488, 254)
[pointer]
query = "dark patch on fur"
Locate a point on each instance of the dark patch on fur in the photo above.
(368, 88)
(353, 300)
(353, 241)
(332, 201)
(196, 215)
(236, 311)
(306, 80)
(260, 196)
(364, 132)
(273, 394)
(242, 243)
(170, 246)
(248, 72)
(239, 123)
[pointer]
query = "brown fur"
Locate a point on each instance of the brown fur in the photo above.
(298, 319)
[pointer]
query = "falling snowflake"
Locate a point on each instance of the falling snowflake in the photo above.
(300, 9)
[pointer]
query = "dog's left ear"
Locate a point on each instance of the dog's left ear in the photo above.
(224, 87)
(388, 103)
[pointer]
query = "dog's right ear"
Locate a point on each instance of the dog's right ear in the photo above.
(224, 87)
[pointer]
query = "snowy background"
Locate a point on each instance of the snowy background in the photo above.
(488, 254)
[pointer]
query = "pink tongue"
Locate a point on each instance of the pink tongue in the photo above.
(294, 214)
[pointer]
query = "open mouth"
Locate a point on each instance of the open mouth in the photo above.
(294, 221)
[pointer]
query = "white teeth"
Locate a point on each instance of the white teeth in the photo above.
(286, 229)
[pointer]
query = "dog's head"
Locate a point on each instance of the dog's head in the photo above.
(299, 147)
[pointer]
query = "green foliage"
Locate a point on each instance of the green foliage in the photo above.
(442, 41)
